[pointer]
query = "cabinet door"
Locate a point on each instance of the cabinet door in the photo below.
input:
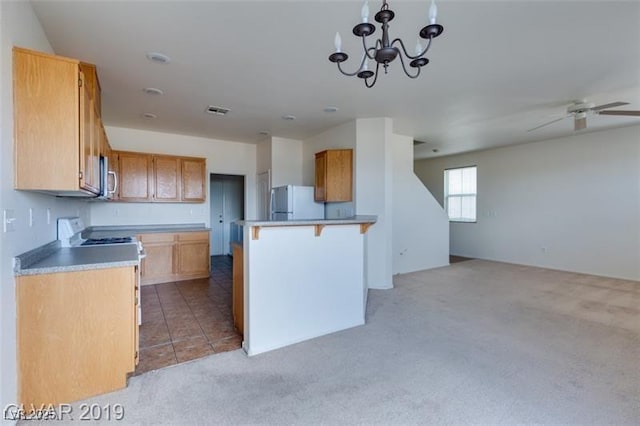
(96, 148)
(166, 178)
(339, 175)
(194, 258)
(76, 334)
(87, 138)
(159, 265)
(321, 177)
(135, 176)
(238, 287)
(46, 115)
(193, 179)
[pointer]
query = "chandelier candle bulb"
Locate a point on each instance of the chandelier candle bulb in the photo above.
(337, 42)
(418, 50)
(433, 13)
(365, 12)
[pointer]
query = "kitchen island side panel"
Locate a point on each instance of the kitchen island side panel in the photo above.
(299, 286)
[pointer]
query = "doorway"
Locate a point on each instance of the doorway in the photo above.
(226, 195)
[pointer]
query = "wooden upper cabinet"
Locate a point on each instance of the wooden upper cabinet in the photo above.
(334, 175)
(135, 175)
(166, 178)
(93, 85)
(47, 93)
(193, 179)
(87, 119)
(160, 178)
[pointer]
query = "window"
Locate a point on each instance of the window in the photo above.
(460, 194)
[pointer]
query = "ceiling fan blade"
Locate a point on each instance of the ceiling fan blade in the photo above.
(549, 122)
(629, 113)
(607, 106)
(580, 123)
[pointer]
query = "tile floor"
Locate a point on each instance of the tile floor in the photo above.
(186, 320)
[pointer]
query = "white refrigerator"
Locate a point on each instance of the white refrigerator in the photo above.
(295, 202)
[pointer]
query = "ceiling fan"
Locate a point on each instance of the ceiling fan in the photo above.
(579, 110)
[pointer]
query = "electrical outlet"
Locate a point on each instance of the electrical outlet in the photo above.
(9, 220)
(30, 217)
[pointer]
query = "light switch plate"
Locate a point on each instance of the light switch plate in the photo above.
(30, 217)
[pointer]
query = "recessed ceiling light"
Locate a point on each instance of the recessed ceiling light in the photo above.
(435, 150)
(152, 91)
(149, 115)
(289, 117)
(330, 109)
(158, 58)
(263, 133)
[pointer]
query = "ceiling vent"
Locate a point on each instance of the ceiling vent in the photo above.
(158, 58)
(152, 91)
(216, 110)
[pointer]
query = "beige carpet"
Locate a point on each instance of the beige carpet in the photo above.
(475, 342)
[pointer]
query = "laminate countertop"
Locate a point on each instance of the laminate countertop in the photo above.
(51, 258)
(133, 230)
(353, 220)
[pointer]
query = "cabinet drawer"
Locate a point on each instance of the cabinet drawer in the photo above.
(194, 236)
(164, 237)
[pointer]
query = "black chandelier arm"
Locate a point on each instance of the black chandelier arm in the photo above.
(406, 71)
(351, 74)
(372, 49)
(404, 49)
(375, 78)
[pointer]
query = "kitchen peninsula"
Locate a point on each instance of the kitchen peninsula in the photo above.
(302, 279)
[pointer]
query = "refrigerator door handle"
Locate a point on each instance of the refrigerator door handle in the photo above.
(271, 203)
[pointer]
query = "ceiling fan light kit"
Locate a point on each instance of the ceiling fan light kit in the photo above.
(384, 52)
(580, 109)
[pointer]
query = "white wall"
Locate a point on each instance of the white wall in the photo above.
(420, 224)
(373, 168)
(571, 203)
(20, 27)
(263, 155)
(286, 162)
(223, 157)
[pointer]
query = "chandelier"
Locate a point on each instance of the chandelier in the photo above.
(384, 51)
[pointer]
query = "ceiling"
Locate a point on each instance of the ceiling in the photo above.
(499, 68)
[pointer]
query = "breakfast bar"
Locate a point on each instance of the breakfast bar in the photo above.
(302, 279)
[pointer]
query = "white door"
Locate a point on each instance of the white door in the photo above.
(217, 216)
(233, 206)
(263, 183)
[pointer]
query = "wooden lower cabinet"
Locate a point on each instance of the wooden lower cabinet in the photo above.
(238, 287)
(77, 334)
(175, 256)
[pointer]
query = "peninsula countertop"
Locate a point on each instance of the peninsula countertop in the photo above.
(353, 220)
